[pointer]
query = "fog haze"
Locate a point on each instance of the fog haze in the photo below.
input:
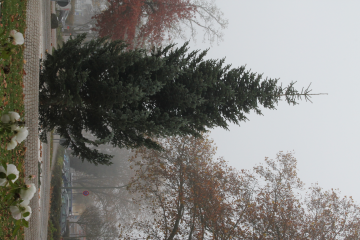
(309, 42)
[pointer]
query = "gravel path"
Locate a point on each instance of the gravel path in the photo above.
(31, 90)
(37, 41)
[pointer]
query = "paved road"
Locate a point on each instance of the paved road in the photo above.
(44, 201)
(44, 192)
(47, 8)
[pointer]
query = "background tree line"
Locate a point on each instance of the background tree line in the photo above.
(144, 23)
(183, 192)
(109, 202)
(187, 194)
(107, 94)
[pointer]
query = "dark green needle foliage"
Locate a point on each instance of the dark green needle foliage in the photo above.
(125, 97)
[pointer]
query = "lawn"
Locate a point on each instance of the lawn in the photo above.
(59, 37)
(54, 231)
(11, 98)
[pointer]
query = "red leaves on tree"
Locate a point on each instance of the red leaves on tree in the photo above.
(138, 20)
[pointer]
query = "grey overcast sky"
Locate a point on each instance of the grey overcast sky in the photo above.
(306, 41)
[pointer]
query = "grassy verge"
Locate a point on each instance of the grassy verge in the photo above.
(54, 229)
(51, 146)
(11, 98)
(59, 38)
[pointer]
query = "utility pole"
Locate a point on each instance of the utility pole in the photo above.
(92, 187)
(78, 237)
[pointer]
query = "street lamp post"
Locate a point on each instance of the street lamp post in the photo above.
(92, 187)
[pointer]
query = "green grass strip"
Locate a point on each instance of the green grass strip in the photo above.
(54, 229)
(13, 17)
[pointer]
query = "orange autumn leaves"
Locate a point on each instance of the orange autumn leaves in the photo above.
(184, 193)
(130, 19)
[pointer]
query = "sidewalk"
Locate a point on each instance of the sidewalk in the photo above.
(37, 41)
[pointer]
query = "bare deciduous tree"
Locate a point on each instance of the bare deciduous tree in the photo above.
(186, 194)
(98, 225)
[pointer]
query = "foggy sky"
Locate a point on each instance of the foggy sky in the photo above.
(306, 41)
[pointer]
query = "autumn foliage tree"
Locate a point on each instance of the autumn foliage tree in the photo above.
(330, 216)
(186, 194)
(276, 212)
(137, 21)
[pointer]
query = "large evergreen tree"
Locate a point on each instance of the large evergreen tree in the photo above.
(126, 97)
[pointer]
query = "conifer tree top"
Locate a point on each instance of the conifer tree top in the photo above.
(126, 97)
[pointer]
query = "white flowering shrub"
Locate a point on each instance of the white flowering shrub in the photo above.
(16, 196)
(13, 129)
(8, 43)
